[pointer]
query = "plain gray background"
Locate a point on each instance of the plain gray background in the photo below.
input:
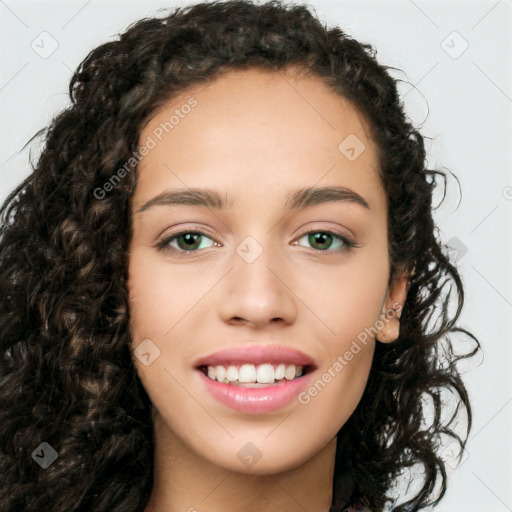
(456, 62)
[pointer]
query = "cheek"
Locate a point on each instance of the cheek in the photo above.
(347, 355)
(347, 298)
(349, 308)
(337, 389)
(160, 295)
(164, 299)
(158, 300)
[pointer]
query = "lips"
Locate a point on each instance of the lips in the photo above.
(257, 354)
(247, 396)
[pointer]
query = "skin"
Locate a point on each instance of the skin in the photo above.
(254, 136)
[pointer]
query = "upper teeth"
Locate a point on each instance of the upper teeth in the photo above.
(248, 373)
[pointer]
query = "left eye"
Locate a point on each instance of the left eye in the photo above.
(324, 240)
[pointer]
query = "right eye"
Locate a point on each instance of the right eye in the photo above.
(186, 242)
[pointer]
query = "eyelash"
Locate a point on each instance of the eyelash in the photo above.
(164, 245)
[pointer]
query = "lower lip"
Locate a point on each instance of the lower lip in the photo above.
(255, 400)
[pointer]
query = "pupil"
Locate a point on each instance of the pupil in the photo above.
(316, 238)
(189, 241)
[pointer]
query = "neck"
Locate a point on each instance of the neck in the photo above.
(185, 482)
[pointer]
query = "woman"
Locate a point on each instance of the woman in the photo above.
(223, 288)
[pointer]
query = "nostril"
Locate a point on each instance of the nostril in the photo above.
(237, 320)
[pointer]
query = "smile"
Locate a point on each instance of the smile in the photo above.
(249, 375)
(255, 379)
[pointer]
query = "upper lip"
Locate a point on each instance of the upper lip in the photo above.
(256, 354)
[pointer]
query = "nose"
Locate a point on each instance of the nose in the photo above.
(258, 294)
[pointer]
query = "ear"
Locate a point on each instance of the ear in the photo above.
(389, 322)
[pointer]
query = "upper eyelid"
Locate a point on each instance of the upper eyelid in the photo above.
(327, 230)
(200, 231)
(167, 238)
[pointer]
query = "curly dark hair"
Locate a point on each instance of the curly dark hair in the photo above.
(66, 373)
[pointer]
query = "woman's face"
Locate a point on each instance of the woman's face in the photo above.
(247, 163)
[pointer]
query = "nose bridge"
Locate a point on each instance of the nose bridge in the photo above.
(254, 262)
(256, 290)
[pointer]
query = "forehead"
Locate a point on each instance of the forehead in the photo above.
(254, 127)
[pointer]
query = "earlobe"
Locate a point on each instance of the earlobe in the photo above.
(389, 323)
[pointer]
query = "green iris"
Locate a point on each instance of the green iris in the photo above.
(190, 241)
(321, 241)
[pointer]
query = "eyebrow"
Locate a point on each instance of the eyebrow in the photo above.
(311, 196)
(300, 198)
